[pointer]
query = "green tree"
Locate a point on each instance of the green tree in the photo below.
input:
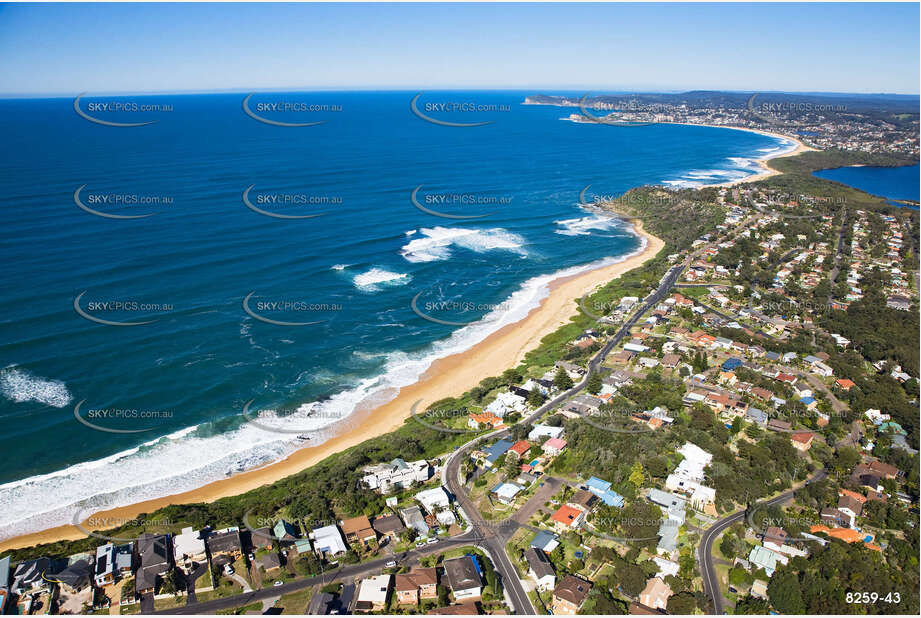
(682, 603)
(562, 380)
(594, 383)
(636, 474)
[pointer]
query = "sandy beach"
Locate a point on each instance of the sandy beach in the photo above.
(767, 171)
(449, 376)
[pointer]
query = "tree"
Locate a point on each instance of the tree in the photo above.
(562, 380)
(636, 474)
(594, 383)
(535, 398)
(785, 594)
(682, 603)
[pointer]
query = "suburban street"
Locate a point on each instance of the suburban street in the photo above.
(711, 534)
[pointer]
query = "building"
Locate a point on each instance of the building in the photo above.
(518, 450)
(506, 492)
(388, 526)
(763, 558)
(655, 594)
(433, 499)
(372, 594)
(545, 541)
(105, 566)
(851, 508)
(553, 446)
(567, 517)
(189, 549)
(397, 474)
(493, 452)
(154, 560)
(226, 543)
(419, 583)
(358, 530)
(569, 595)
(542, 431)
(540, 569)
(78, 573)
(285, 532)
(603, 490)
(328, 542)
(463, 577)
(802, 440)
(414, 519)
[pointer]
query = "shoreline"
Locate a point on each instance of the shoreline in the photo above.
(446, 377)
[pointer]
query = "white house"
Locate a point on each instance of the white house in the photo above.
(505, 403)
(189, 547)
(328, 541)
(432, 499)
(539, 431)
(398, 474)
(372, 593)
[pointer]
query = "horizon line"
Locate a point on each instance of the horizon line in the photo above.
(533, 90)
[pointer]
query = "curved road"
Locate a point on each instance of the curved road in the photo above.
(705, 549)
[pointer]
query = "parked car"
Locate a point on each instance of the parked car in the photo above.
(432, 541)
(391, 564)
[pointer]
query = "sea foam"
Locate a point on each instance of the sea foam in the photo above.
(436, 243)
(21, 386)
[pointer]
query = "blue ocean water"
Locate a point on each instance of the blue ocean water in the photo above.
(179, 383)
(894, 183)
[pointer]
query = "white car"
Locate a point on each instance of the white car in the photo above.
(391, 564)
(278, 583)
(432, 541)
(228, 569)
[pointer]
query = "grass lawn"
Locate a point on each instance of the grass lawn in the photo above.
(225, 588)
(240, 610)
(170, 603)
(295, 602)
(204, 581)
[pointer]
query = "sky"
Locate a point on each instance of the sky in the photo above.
(66, 49)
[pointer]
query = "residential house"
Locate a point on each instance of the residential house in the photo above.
(493, 452)
(226, 543)
(655, 594)
(545, 541)
(285, 532)
(518, 450)
(506, 492)
(583, 500)
(851, 508)
(328, 542)
(553, 446)
(463, 578)
(569, 595)
(541, 431)
(419, 583)
(105, 566)
(189, 549)
(802, 440)
(388, 526)
(433, 499)
(271, 561)
(398, 474)
(414, 519)
(358, 530)
(540, 569)
(154, 560)
(568, 518)
(372, 594)
(78, 573)
(602, 489)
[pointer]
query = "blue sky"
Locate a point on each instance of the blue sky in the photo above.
(106, 48)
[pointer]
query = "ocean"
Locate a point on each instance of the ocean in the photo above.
(893, 183)
(193, 297)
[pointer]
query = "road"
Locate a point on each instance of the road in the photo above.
(352, 570)
(705, 549)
